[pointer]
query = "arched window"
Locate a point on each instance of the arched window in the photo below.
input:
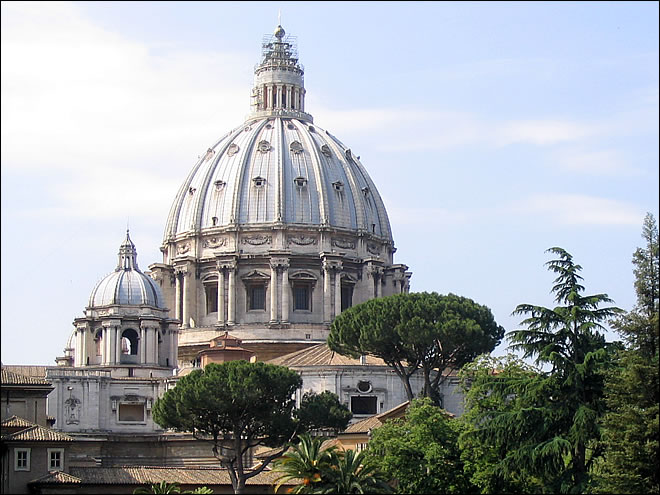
(129, 342)
(98, 341)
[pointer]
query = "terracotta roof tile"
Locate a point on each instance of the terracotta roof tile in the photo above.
(368, 424)
(16, 422)
(321, 355)
(141, 475)
(12, 378)
(37, 433)
(56, 477)
(26, 370)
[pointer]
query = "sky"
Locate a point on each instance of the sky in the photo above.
(493, 132)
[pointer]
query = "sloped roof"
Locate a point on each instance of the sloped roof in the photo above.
(56, 478)
(36, 433)
(16, 422)
(141, 475)
(36, 371)
(368, 424)
(13, 378)
(321, 355)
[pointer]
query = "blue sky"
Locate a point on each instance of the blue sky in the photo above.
(492, 130)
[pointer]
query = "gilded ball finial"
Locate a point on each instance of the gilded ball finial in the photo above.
(279, 32)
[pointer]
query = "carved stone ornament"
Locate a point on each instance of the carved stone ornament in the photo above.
(373, 248)
(247, 128)
(182, 248)
(209, 155)
(72, 410)
(233, 149)
(257, 240)
(343, 243)
(296, 148)
(264, 146)
(214, 242)
(325, 149)
(302, 240)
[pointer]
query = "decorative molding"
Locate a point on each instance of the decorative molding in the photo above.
(302, 240)
(182, 248)
(233, 149)
(257, 240)
(373, 248)
(296, 148)
(343, 243)
(264, 146)
(215, 242)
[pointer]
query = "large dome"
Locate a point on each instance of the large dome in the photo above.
(278, 167)
(127, 285)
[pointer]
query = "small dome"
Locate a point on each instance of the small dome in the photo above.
(127, 285)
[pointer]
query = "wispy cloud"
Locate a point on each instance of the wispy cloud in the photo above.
(577, 210)
(607, 162)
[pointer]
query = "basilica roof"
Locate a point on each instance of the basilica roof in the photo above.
(278, 167)
(127, 285)
(321, 355)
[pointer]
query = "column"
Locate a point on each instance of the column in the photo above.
(84, 348)
(104, 346)
(143, 346)
(186, 309)
(379, 285)
(231, 303)
(285, 294)
(118, 345)
(177, 302)
(156, 345)
(337, 292)
(327, 317)
(174, 342)
(221, 296)
(76, 357)
(273, 293)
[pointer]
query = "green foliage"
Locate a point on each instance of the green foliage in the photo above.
(323, 410)
(162, 487)
(492, 385)
(630, 428)
(549, 428)
(327, 470)
(420, 451)
(248, 404)
(165, 487)
(306, 463)
(414, 331)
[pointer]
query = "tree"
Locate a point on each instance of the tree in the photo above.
(630, 426)
(427, 331)
(165, 487)
(420, 451)
(239, 405)
(552, 424)
(306, 463)
(323, 411)
(493, 385)
(328, 470)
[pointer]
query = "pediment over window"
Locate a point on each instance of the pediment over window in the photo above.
(255, 276)
(302, 276)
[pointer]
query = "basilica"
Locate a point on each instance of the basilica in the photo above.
(275, 231)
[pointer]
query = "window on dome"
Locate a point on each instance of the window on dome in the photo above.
(338, 185)
(302, 297)
(259, 181)
(300, 181)
(256, 297)
(346, 297)
(211, 290)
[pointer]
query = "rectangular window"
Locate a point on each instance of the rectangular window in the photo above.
(21, 459)
(257, 297)
(211, 298)
(346, 297)
(131, 412)
(301, 298)
(363, 405)
(55, 459)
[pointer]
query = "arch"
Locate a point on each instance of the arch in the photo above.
(129, 342)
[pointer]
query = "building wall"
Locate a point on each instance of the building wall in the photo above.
(15, 482)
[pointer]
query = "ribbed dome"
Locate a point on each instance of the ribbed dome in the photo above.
(278, 167)
(127, 285)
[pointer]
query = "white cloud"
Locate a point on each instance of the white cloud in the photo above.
(608, 162)
(577, 210)
(74, 93)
